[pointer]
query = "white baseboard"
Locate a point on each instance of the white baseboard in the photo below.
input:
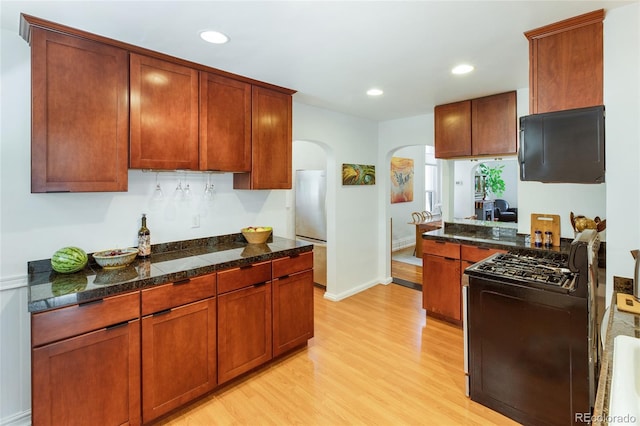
(339, 296)
(401, 243)
(18, 419)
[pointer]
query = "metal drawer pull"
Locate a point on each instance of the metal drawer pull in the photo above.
(166, 311)
(185, 281)
(91, 302)
(260, 284)
(118, 325)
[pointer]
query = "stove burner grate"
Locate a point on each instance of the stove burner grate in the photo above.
(546, 268)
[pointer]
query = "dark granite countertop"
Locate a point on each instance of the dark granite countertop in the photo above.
(168, 262)
(620, 323)
(499, 237)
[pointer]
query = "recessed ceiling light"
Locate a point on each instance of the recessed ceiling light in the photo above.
(462, 69)
(214, 37)
(374, 92)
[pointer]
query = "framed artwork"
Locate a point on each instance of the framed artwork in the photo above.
(401, 180)
(358, 174)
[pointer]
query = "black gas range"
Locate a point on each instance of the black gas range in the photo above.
(540, 269)
(530, 339)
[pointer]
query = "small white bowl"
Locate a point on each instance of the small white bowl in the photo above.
(115, 258)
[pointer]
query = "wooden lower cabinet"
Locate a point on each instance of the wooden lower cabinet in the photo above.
(441, 292)
(292, 311)
(244, 330)
(93, 378)
(178, 356)
(443, 265)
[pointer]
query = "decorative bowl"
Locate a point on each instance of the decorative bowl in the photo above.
(256, 234)
(115, 258)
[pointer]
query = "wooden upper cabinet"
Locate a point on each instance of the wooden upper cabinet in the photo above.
(80, 123)
(225, 124)
(453, 129)
(164, 115)
(566, 64)
(493, 125)
(271, 146)
(476, 127)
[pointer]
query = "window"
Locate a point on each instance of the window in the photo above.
(432, 180)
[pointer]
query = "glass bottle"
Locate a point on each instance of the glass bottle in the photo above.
(144, 239)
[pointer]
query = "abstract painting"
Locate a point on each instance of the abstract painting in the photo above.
(358, 174)
(401, 180)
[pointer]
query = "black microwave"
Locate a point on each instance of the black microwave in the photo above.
(563, 146)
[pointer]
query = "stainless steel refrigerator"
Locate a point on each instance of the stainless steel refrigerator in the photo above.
(311, 217)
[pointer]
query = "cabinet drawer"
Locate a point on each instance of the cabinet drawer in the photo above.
(476, 254)
(71, 321)
(441, 248)
(236, 278)
(292, 264)
(178, 293)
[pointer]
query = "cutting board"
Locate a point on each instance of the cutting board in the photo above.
(543, 223)
(627, 303)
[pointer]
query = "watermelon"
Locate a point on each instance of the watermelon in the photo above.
(68, 260)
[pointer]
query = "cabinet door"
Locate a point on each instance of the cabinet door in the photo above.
(493, 125)
(270, 143)
(566, 64)
(164, 115)
(292, 311)
(452, 130)
(93, 378)
(441, 292)
(178, 356)
(225, 124)
(244, 330)
(80, 109)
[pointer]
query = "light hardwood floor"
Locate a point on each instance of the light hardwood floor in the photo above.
(406, 271)
(375, 360)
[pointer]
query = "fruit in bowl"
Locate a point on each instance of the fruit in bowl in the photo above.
(115, 258)
(256, 234)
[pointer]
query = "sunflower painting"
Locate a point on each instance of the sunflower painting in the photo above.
(401, 180)
(358, 174)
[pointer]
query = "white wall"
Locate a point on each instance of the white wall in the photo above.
(622, 103)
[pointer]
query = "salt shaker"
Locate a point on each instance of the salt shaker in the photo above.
(538, 238)
(547, 239)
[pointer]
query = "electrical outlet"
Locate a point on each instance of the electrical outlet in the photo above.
(195, 221)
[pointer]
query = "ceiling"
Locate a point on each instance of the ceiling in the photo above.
(331, 52)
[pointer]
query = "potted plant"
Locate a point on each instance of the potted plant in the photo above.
(493, 182)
